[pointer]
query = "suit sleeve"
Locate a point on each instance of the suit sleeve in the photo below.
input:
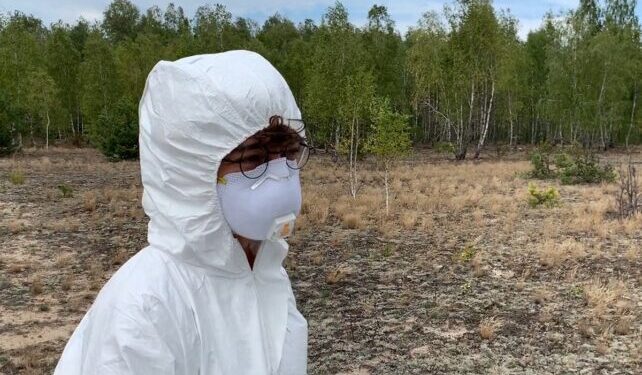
(124, 341)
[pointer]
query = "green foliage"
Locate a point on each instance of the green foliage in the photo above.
(586, 169)
(579, 167)
(467, 253)
(17, 177)
(116, 133)
(66, 191)
(389, 137)
(547, 197)
(121, 20)
(463, 74)
(541, 161)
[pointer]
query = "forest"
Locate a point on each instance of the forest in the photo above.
(458, 80)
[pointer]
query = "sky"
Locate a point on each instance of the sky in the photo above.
(405, 13)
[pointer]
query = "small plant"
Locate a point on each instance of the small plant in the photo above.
(586, 169)
(36, 286)
(66, 190)
(576, 291)
(541, 162)
(488, 327)
(388, 250)
(468, 253)
(17, 177)
(628, 195)
(547, 197)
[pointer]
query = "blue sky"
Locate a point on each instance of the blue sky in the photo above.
(405, 12)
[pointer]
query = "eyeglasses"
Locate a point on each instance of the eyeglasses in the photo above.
(278, 139)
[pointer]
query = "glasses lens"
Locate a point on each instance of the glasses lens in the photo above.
(253, 162)
(296, 159)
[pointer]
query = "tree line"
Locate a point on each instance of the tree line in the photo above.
(461, 78)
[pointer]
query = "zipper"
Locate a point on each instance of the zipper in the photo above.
(265, 333)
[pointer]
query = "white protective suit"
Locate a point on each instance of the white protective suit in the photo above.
(189, 303)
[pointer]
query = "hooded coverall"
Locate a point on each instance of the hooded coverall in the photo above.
(189, 303)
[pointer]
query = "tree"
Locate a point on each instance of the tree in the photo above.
(121, 20)
(117, 130)
(384, 53)
(358, 94)
(63, 63)
(389, 138)
(41, 98)
(101, 85)
(212, 28)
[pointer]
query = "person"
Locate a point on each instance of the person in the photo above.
(221, 147)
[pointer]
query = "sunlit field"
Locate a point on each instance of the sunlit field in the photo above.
(460, 275)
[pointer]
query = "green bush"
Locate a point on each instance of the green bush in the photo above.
(586, 170)
(66, 191)
(547, 197)
(575, 168)
(116, 132)
(541, 162)
(563, 160)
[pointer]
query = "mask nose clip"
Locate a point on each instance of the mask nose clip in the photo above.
(276, 170)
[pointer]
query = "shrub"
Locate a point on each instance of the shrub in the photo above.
(628, 196)
(586, 170)
(574, 168)
(547, 197)
(17, 177)
(116, 131)
(541, 162)
(66, 190)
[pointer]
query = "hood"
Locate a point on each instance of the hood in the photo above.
(192, 113)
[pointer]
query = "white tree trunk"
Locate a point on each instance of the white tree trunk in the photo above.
(628, 134)
(387, 187)
(482, 137)
(47, 130)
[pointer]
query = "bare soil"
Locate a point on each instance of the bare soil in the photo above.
(460, 276)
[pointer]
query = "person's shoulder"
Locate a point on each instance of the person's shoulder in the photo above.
(142, 282)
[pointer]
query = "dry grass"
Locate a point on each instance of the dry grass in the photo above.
(63, 260)
(352, 220)
(339, 274)
(36, 285)
(67, 224)
(603, 296)
(552, 254)
(89, 200)
(488, 327)
(17, 176)
(16, 226)
(316, 211)
(67, 283)
(562, 280)
(120, 257)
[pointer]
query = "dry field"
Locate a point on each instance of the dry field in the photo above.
(461, 276)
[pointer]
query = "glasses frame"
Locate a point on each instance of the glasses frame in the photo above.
(274, 120)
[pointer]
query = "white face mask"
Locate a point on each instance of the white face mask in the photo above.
(262, 208)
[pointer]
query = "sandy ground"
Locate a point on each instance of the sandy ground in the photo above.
(459, 276)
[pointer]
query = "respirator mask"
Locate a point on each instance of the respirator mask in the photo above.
(264, 208)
